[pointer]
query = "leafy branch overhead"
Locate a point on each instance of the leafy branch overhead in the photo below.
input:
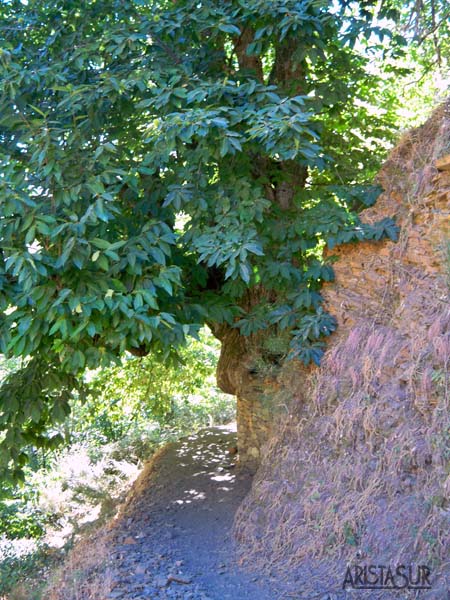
(166, 164)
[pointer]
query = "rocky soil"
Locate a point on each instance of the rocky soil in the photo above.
(172, 539)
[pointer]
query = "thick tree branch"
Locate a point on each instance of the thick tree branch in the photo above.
(287, 72)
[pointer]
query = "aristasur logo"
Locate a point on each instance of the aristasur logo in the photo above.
(387, 577)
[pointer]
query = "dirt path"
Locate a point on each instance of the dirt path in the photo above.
(176, 527)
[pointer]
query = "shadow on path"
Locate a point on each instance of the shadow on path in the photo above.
(173, 539)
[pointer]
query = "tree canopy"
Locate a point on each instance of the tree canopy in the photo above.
(165, 164)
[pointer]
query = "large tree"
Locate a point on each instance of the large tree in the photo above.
(166, 164)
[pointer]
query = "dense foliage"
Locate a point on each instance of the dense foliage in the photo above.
(166, 164)
(426, 25)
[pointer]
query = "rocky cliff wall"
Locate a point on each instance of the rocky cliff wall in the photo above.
(358, 470)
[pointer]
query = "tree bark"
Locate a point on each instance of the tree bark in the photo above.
(251, 63)
(283, 179)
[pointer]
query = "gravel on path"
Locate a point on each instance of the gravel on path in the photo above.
(173, 540)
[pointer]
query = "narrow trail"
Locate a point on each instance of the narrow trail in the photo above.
(174, 537)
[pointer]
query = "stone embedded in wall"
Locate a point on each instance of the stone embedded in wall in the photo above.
(254, 424)
(443, 164)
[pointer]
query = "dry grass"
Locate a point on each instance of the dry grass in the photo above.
(360, 468)
(410, 166)
(368, 457)
(86, 574)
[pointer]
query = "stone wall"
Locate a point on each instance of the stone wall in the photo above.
(255, 410)
(374, 281)
(254, 424)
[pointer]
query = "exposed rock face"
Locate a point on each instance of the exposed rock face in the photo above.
(380, 280)
(359, 469)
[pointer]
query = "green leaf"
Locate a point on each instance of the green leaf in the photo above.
(102, 244)
(245, 272)
(229, 28)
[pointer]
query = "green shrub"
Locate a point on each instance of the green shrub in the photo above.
(27, 568)
(144, 396)
(19, 519)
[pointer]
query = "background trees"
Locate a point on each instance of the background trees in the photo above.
(167, 164)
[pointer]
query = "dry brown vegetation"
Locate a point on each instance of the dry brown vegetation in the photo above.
(86, 574)
(359, 470)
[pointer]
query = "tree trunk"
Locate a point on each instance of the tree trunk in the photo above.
(235, 374)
